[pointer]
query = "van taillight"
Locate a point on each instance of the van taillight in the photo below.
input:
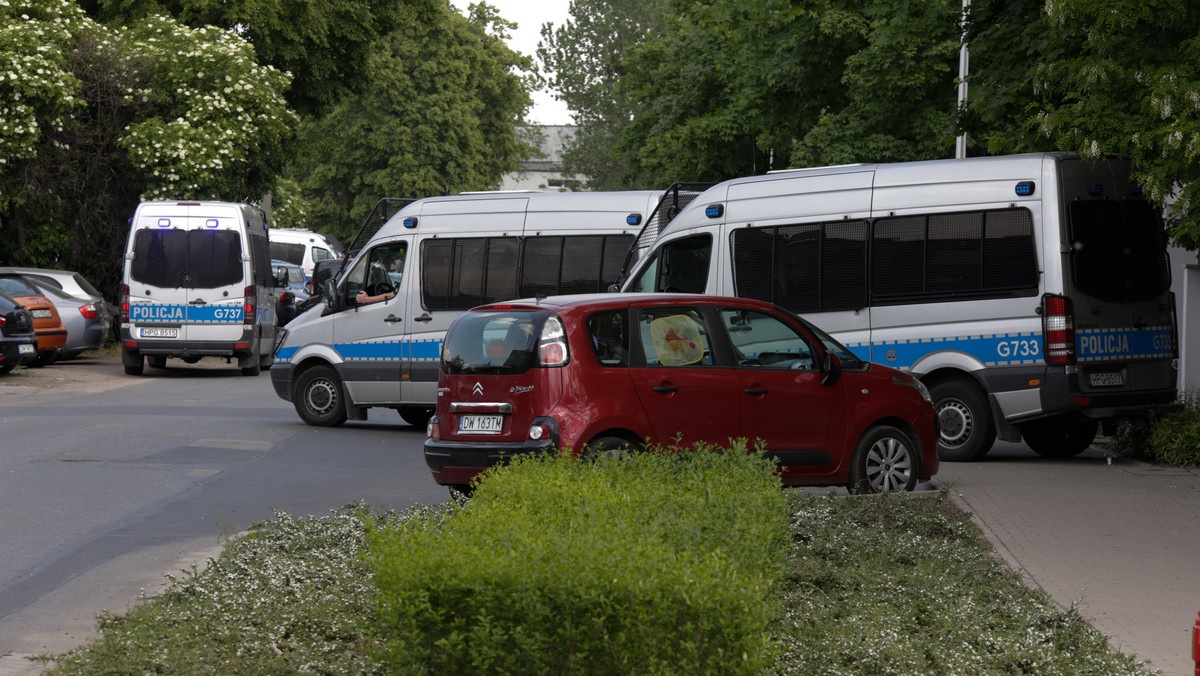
(552, 346)
(1058, 330)
(248, 307)
(124, 303)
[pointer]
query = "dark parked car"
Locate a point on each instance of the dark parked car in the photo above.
(604, 373)
(18, 341)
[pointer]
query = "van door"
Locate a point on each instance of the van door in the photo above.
(188, 273)
(369, 333)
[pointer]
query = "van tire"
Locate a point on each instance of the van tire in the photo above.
(1059, 436)
(417, 416)
(134, 363)
(966, 428)
(884, 461)
(319, 398)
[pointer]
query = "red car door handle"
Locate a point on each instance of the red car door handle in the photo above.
(665, 388)
(756, 390)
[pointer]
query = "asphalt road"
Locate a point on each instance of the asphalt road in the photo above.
(109, 482)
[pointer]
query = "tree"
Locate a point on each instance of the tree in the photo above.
(440, 117)
(323, 44)
(584, 61)
(103, 117)
(1133, 88)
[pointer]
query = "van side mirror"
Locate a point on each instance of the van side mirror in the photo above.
(330, 294)
(833, 370)
(281, 278)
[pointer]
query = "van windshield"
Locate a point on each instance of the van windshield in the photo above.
(1119, 249)
(193, 259)
(503, 343)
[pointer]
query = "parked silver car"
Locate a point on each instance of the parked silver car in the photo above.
(87, 321)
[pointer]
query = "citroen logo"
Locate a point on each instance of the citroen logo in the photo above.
(478, 389)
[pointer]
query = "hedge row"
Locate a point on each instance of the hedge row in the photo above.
(655, 563)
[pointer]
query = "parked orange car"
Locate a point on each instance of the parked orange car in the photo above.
(51, 333)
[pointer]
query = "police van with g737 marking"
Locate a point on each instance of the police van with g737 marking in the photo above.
(1030, 293)
(433, 259)
(197, 283)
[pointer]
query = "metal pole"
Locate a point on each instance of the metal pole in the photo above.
(960, 144)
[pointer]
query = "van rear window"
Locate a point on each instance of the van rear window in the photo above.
(193, 259)
(1119, 250)
(503, 343)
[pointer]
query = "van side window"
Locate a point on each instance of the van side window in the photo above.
(380, 270)
(815, 267)
(679, 266)
(609, 332)
(460, 273)
(765, 341)
(288, 252)
(674, 337)
(936, 257)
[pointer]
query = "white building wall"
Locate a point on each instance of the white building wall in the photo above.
(1185, 282)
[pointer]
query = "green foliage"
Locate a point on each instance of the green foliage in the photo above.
(105, 116)
(439, 118)
(901, 584)
(1171, 437)
(654, 563)
(1132, 88)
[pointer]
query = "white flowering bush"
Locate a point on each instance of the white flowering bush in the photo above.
(37, 90)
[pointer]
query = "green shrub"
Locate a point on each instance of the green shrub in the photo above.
(655, 563)
(1169, 438)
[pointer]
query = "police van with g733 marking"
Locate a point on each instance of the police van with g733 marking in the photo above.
(1030, 293)
(430, 261)
(197, 283)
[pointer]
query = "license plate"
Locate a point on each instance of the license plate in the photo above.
(1105, 379)
(26, 349)
(480, 424)
(160, 333)
(42, 314)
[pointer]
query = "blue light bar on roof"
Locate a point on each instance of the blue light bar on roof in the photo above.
(633, 219)
(714, 210)
(1025, 188)
(164, 222)
(212, 223)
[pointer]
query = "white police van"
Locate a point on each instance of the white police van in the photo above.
(303, 247)
(197, 283)
(1030, 293)
(430, 261)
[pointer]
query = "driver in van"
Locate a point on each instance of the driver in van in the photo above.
(363, 298)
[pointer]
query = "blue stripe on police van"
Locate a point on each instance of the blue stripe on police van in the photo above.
(1155, 342)
(142, 313)
(391, 350)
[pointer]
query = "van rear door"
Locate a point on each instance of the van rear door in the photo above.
(188, 275)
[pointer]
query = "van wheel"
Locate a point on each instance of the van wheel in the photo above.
(884, 460)
(613, 447)
(1058, 436)
(966, 429)
(318, 397)
(417, 416)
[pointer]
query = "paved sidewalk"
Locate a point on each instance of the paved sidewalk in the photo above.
(1118, 538)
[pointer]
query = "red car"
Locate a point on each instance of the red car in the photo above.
(600, 373)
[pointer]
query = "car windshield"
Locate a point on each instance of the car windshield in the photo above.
(15, 286)
(493, 342)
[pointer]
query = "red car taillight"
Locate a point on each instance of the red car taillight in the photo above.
(552, 346)
(1058, 330)
(89, 311)
(248, 306)
(124, 303)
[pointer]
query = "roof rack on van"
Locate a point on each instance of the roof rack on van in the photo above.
(673, 200)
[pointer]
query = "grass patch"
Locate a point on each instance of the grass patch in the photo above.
(1171, 437)
(894, 584)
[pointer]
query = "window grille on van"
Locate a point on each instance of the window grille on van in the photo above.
(933, 257)
(288, 252)
(816, 267)
(1119, 249)
(673, 200)
(460, 273)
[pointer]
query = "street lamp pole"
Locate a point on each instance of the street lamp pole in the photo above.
(960, 143)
